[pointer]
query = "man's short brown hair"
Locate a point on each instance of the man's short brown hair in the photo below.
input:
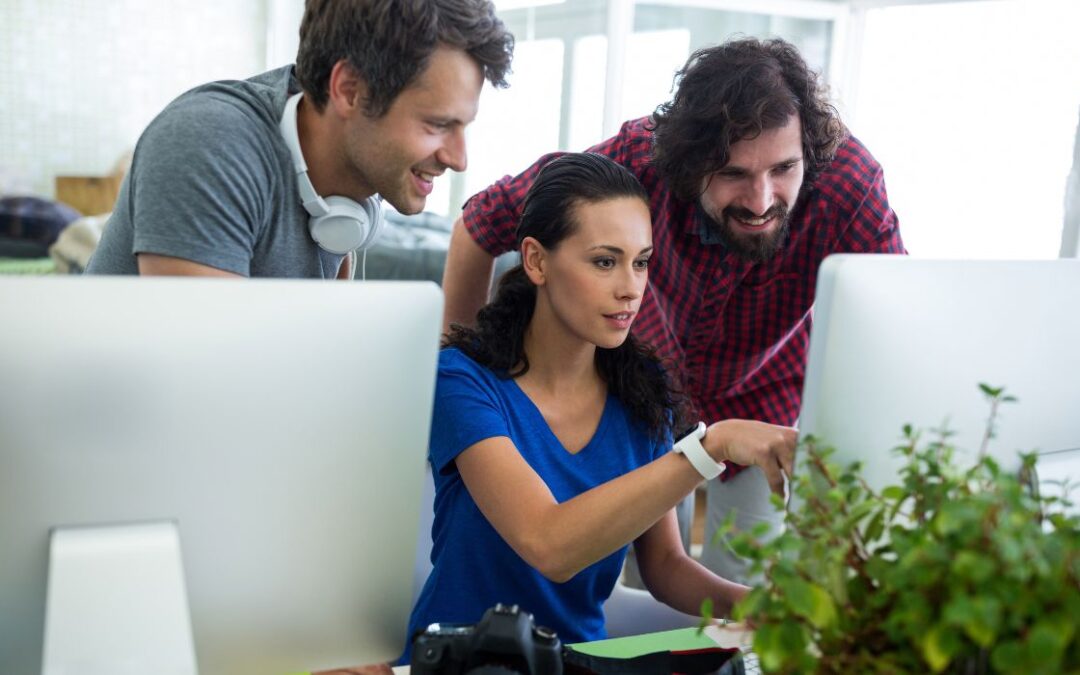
(390, 42)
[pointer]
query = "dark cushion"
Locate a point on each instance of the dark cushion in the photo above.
(29, 225)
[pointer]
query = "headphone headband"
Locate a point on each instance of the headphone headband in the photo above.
(337, 224)
(313, 203)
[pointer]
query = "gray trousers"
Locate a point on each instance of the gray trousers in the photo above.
(747, 494)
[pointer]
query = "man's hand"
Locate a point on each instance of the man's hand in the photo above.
(768, 446)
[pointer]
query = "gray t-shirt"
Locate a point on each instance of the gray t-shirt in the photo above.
(211, 181)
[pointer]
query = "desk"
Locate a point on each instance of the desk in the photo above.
(729, 636)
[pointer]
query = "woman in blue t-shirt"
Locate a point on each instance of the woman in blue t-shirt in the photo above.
(552, 431)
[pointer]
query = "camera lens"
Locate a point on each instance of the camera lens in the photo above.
(430, 654)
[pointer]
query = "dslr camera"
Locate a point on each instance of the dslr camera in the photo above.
(504, 641)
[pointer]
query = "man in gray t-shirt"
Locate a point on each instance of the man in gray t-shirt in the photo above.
(386, 89)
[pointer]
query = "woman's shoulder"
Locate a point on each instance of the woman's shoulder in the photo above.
(456, 362)
(453, 357)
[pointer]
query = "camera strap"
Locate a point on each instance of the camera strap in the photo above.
(712, 661)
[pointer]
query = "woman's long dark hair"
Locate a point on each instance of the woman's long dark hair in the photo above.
(632, 371)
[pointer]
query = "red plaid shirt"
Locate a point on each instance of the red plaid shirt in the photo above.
(738, 330)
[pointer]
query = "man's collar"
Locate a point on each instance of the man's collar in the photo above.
(705, 228)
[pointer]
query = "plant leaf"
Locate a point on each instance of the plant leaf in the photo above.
(894, 492)
(811, 602)
(706, 611)
(876, 527)
(779, 646)
(939, 645)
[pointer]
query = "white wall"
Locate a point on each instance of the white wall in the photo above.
(80, 79)
(971, 108)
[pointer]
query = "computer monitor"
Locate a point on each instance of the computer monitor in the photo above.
(280, 427)
(898, 340)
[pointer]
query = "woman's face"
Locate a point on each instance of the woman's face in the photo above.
(594, 279)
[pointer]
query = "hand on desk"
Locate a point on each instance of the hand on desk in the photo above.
(730, 635)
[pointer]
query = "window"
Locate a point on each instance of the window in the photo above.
(516, 125)
(556, 87)
(582, 67)
(971, 107)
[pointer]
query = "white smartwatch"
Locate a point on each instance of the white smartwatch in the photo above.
(690, 447)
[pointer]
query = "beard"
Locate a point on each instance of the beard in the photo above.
(756, 247)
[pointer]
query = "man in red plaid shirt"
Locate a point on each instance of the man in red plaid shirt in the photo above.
(753, 180)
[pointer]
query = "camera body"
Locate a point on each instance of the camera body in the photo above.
(505, 641)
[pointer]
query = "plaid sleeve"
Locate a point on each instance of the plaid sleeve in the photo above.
(859, 188)
(491, 216)
(631, 147)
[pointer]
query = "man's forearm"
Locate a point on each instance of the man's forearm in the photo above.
(466, 278)
(151, 265)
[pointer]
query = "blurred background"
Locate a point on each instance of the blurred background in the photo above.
(971, 106)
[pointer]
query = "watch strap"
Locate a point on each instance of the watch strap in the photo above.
(690, 447)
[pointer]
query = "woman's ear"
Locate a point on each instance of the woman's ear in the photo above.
(534, 260)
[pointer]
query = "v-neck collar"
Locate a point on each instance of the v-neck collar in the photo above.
(540, 423)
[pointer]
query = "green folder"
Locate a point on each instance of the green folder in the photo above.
(636, 645)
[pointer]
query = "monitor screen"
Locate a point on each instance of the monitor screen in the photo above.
(280, 426)
(898, 340)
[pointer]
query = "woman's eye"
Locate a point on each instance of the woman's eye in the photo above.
(604, 263)
(642, 264)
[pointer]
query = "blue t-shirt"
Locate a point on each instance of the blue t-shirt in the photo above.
(473, 567)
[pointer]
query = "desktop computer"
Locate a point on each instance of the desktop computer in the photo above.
(230, 472)
(900, 340)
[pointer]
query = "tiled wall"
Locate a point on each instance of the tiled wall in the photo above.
(80, 79)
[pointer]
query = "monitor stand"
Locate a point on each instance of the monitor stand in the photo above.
(116, 602)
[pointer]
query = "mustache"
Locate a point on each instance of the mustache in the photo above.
(778, 210)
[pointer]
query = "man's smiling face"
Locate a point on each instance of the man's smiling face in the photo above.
(750, 197)
(401, 153)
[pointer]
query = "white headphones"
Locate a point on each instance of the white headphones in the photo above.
(337, 224)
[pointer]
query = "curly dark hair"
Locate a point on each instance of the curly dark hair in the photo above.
(632, 371)
(735, 91)
(390, 42)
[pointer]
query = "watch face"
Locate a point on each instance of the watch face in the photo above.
(697, 430)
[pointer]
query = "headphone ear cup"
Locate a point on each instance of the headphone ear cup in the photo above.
(337, 224)
(345, 227)
(373, 208)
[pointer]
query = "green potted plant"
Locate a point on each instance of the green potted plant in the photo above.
(953, 569)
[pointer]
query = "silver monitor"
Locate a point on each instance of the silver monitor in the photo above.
(277, 428)
(900, 340)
